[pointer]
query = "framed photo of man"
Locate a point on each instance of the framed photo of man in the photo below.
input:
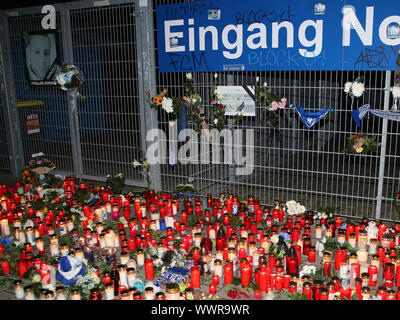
(42, 57)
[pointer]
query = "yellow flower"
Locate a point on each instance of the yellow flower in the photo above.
(359, 150)
(146, 163)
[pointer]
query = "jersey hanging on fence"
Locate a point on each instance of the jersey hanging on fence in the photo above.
(225, 35)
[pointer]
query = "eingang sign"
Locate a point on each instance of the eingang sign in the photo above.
(241, 35)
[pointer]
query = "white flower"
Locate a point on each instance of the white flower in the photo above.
(36, 278)
(189, 76)
(215, 75)
(167, 105)
(357, 89)
(136, 163)
(220, 96)
(257, 79)
(395, 92)
(275, 239)
(265, 85)
(347, 87)
(215, 121)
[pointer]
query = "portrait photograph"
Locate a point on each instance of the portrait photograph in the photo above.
(41, 52)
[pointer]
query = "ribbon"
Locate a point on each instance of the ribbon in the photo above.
(308, 118)
(361, 112)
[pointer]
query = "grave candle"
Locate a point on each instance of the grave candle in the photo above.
(195, 276)
(228, 272)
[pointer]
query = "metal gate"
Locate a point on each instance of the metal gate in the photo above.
(103, 134)
(305, 165)
(4, 158)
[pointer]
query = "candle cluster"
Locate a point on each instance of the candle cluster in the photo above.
(222, 239)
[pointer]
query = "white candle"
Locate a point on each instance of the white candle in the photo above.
(109, 290)
(109, 239)
(140, 257)
(212, 234)
(131, 277)
(19, 290)
(21, 237)
(99, 215)
(54, 250)
(362, 255)
(116, 241)
(5, 228)
(169, 222)
(123, 276)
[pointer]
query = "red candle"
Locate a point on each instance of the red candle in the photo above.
(388, 271)
(212, 288)
(245, 273)
(278, 283)
(338, 258)
(228, 272)
(22, 267)
(272, 278)
(195, 276)
(184, 217)
(262, 280)
(373, 275)
(327, 268)
(5, 267)
(149, 269)
(272, 261)
(312, 254)
(215, 279)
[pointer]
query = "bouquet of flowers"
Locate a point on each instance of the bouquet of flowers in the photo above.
(273, 104)
(355, 89)
(294, 208)
(70, 78)
(116, 182)
(40, 164)
(186, 188)
(145, 166)
(360, 143)
(171, 106)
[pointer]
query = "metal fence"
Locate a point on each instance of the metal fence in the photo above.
(43, 102)
(4, 158)
(305, 165)
(109, 43)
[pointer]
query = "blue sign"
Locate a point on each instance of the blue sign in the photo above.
(222, 35)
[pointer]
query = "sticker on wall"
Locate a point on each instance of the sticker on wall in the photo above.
(214, 14)
(32, 123)
(319, 8)
(393, 31)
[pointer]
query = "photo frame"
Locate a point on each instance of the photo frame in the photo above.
(42, 57)
(237, 100)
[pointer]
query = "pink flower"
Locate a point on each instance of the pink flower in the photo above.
(214, 101)
(282, 104)
(274, 105)
(39, 162)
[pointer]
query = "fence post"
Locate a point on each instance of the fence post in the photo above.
(147, 77)
(383, 146)
(72, 99)
(9, 100)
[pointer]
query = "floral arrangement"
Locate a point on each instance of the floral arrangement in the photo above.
(70, 78)
(87, 282)
(39, 160)
(273, 104)
(294, 208)
(144, 165)
(278, 246)
(116, 183)
(28, 176)
(171, 106)
(186, 188)
(355, 89)
(360, 143)
(193, 99)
